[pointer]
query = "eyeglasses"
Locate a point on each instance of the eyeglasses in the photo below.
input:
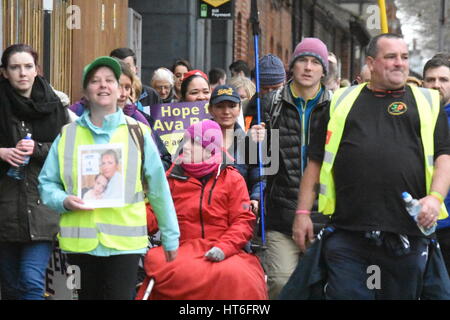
(385, 93)
(163, 88)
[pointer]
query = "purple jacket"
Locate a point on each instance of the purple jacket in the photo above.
(131, 110)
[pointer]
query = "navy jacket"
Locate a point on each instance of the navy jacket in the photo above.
(239, 150)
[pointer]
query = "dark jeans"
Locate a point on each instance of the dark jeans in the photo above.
(22, 269)
(443, 236)
(348, 256)
(106, 278)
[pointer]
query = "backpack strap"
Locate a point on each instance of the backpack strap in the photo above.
(138, 138)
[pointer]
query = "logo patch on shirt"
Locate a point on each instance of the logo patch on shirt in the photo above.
(397, 108)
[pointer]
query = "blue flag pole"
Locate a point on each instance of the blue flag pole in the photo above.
(254, 18)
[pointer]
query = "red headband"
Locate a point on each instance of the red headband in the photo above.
(195, 73)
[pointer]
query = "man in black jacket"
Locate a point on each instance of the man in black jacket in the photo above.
(297, 105)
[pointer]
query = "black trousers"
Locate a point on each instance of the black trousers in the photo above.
(352, 260)
(106, 278)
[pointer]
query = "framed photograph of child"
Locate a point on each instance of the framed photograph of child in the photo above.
(101, 181)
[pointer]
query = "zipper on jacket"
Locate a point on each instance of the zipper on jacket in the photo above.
(201, 212)
(214, 184)
(210, 191)
(303, 135)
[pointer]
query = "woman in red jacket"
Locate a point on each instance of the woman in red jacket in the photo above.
(213, 209)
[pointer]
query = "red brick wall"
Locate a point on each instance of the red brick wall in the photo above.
(345, 56)
(241, 36)
(276, 31)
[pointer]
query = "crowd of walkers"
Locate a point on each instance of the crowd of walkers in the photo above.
(344, 150)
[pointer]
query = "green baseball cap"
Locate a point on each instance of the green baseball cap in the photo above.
(105, 61)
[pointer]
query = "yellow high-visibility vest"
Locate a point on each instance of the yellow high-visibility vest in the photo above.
(428, 105)
(122, 228)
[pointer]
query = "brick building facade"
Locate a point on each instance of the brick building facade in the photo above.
(275, 18)
(284, 23)
(172, 29)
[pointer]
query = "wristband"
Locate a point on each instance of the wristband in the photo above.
(302, 212)
(437, 195)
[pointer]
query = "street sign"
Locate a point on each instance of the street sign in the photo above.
(215, 9)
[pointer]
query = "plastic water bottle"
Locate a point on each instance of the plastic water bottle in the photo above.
(413, 207)
(18, 172)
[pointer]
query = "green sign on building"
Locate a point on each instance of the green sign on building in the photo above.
(215, 9)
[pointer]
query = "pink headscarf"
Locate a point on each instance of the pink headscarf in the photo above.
(209, 135)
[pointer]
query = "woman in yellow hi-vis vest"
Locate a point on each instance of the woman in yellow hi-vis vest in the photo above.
(105, 237)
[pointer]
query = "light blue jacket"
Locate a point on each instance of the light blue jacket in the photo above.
(53, 194)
